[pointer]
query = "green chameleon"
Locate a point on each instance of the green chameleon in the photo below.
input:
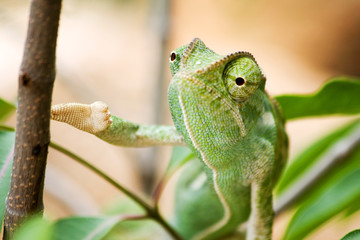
(235, 130)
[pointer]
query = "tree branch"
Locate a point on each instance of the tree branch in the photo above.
(36, 79)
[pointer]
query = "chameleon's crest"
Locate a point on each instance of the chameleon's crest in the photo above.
(197, 56)
(192, 45)
(225, 60)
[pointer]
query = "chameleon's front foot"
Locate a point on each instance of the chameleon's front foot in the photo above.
(90, 118)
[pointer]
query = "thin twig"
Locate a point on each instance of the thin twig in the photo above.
(103, 175)
(6, 128)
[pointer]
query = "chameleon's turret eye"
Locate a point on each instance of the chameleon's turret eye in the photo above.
(173, 56)
(242, 77)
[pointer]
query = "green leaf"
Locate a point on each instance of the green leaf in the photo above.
(133, 230)
(196, 205)
(309, 157)
(123, 206)
(5, 108)
(35, 228)
(74, 228)
(84, 228)
(332, 197)
(327, 196)
(338, 96)
(6, 151)
(179, 157)
(137, 230)
(353, 208)
(353, 235)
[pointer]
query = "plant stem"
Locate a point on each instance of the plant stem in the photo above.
(83, 162)
(6, 128)
(151, 212)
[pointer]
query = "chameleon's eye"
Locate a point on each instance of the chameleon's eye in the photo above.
(242, 77)
(173, 56)
(239, 81)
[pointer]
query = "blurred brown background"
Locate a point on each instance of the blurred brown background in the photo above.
(117, 51)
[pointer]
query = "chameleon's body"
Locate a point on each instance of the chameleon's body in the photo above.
(222, 112)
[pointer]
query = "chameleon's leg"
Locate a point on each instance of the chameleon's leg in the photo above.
(96, 119)
(261, 217)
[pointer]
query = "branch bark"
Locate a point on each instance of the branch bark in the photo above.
(36, 79)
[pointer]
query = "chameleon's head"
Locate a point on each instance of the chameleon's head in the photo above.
(213, 90)
(237, 75)
(192, 56)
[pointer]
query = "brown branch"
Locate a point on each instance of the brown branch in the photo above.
(36, 81)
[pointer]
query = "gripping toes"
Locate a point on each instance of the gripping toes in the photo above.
(90, 118)
(100, 116)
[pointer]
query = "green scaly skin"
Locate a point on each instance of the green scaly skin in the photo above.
(222, 112)
(236, 131)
